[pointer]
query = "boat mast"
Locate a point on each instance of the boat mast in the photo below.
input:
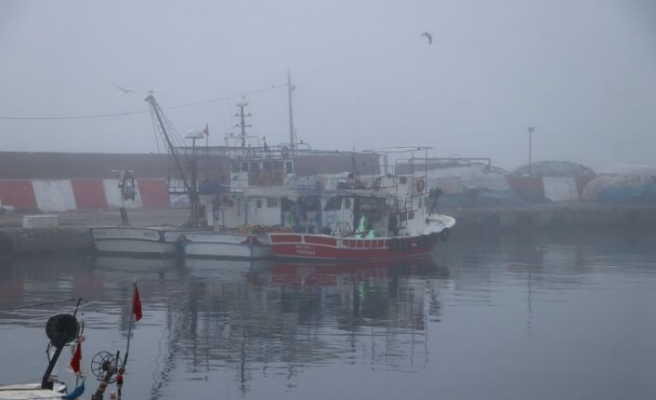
(242, 103)
(290, 89)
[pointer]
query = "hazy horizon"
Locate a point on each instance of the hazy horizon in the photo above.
(580, 72)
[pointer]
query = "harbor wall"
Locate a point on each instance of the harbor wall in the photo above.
(86, 194)
(80, 194)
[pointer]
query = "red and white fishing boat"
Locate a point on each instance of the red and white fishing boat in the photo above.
(390, 219)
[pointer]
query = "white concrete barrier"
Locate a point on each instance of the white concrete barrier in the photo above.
(54, 195)
(40, 221)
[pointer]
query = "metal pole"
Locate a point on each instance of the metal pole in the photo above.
(127, 349)
(290, 89)
(530, 150)
(193, 186)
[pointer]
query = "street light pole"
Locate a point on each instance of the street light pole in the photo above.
(193, 190)
(530, 150)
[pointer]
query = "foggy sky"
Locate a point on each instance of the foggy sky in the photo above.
(580, 71)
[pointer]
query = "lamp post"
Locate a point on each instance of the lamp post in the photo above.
(530, 149)
(193, 192)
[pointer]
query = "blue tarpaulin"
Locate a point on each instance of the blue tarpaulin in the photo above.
(628, 194)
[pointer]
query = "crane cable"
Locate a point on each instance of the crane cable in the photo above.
(129, 113)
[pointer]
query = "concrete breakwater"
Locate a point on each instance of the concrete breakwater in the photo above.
(24, 241)
(73, 233)
(573, 215)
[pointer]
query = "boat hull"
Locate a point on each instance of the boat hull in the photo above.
(324, 247)
(222, 245)
(135, 240)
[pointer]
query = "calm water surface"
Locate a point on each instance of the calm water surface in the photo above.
(524, 316)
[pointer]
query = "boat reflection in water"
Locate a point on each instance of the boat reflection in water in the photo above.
(224, 270)
(135, 267)
(248, 319)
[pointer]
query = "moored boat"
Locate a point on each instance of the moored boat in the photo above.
(66, 330)
(150, 240)
(228, 245)
(163, 240)
(389, 219)
(261, 184)
(326, 247)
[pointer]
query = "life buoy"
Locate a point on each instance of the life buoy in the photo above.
(285, 152)
(421, 185)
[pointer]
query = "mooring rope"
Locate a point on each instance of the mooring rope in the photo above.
(46, 303)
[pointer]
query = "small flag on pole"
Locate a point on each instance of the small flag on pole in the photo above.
(136, 303)
(77, 357)
(206, 131)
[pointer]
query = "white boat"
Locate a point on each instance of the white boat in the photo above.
(261, 180)
(246, 215)
(228, 245)
(31, 391)
(148, 240)
(63, 330)
(163, 241)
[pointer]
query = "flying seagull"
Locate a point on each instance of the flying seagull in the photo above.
(428, 36)
(124, 90)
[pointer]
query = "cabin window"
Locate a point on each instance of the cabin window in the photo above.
(347, 203)
(289, 167)
(268, 165)
(403, 216)
(234, 166)
(333, 204)
(411, 215)
(255, 166)
(258, 203)
(420, 202)
(244, 167)
(279, 166)
(272, 203)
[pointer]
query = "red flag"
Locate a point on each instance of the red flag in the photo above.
(136, 304)
(206, 131)
(77, 357)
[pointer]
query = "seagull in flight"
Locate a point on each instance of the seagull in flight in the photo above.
(428, 36)
(124, 90)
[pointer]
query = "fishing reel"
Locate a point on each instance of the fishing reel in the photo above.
(102, 362)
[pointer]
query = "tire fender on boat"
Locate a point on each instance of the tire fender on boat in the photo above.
(445, 234)
(6, 247)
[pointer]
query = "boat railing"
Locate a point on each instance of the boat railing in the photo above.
(342, 229)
